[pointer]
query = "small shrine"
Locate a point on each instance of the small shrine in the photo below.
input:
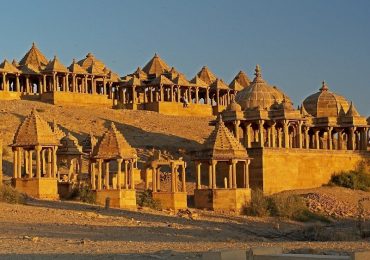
(113, 151)
(70, 164)
(35, 158)
(228, 174)
(174, 197)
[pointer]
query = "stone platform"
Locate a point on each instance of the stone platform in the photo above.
(65, 189)
(171, 200)
(278, 169)
(125, 199)
(82, 99)
(222, 199)
(175, 108)
(43, 188)
(10, 95)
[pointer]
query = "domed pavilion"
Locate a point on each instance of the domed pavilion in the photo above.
(71, 153)
(161, 88)
(227, 162)
(296, 148)
(112, 149)
(334, 121)
(265, 116)
(35, 141)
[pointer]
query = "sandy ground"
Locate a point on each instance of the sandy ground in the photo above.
(70, 230)
(66, 230)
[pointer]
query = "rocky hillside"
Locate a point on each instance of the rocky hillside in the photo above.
(143, 129)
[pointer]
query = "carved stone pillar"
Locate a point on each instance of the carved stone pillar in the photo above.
(261, 137)
(234, 162)
(230, 179)
(119, 174)
(107, 186)
(300, 139)
(210, 175)
(93, 177)
(132, 181)
(15, 165)
(351, 138)
(154, 180)
(285, 134)
(199, 177)
(183, 178)
(214, 180)
(100, 164)
(329, 140)
(38, 162)
(246, 174)
(317, 139)
(273, 135)
(126, 176)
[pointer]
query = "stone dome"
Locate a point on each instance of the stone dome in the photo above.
(326, 103)
(34, 131)
(233, 106)
(70, 145)
(260, 94)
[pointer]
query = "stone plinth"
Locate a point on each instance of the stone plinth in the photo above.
(277, 169)
(64, 189)
(224, 255)
(171, 200)
(125, 199)
(10, 95)
(300, 257)
(177, 109)
(222, 199)
(71, 98)
(137, 175)
(43, 188)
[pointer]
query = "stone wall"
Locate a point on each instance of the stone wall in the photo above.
(43, 188)
(171, 200)
(222, 199)
(177, 109)
(10, 95)
(278, 169)
(60, 98)
(118, 198)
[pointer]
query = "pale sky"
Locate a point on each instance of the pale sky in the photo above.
(297, 43)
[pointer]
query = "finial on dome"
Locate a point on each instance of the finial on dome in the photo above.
(33, 44)
(258, 71)
(155, 55)
(74, 61)
(55, 57)
(324, 87)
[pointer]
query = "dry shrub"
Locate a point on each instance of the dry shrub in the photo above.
(287, 206)
(146, 200)
(282, 206)
(84, 194)
(9, 195)
(258, 205)
(319, 232)
(356, 180)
